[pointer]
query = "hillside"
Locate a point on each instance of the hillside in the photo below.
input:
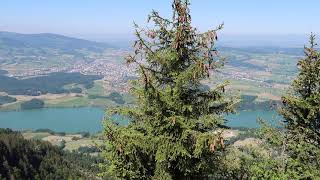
(34, 159)
(23, 53)
(52, 83)
(48, 41)
(262, 71)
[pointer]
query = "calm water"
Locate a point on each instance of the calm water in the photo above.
(57, 119)
(248, 119)
(90, 119)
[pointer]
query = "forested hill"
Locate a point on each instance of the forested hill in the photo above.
(47, 40)
(47, 50)
(52, 83)
(34, 159)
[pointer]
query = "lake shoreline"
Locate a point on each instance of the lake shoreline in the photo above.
(90, 119)
(53, 107)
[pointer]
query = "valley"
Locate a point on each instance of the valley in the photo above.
(265, 72)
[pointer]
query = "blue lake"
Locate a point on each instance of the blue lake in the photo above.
(90, 119)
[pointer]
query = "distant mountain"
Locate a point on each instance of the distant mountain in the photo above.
(46, 50)
(265, 50)
(47, 40)
(263, 40)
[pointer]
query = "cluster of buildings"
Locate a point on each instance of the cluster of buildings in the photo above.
(116, 74)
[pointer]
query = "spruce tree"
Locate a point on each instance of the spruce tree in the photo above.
(295, 148)
(301, 113)
(301, 107)
(173, 129)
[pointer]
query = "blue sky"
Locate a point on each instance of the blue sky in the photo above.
(115, 17)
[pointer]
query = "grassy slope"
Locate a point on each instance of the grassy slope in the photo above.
(71, 144)
(67, 100)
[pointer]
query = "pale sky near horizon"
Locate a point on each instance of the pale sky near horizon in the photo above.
(115, 17)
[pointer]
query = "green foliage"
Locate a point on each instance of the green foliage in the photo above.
(84, 134)
(86, 149)
(253, 158)
(52, 83)
(7, 99)
(33, 159)
(114, 96)
(248, 98)
(249, 102)
(301, 107)
(45, 130)
(172, 130)
(32, 104)
(301, 111)
(76, 90)
(293, 152)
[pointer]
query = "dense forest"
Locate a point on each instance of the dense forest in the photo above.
(33, 159)
(51, 83)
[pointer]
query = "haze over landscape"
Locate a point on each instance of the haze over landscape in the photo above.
(236, 82)
(113, 20)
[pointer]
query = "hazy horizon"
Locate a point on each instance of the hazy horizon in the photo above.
(94, 19)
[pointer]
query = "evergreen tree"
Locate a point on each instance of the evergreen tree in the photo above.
(301, 107)
(33, 159)
(295, 148)
(173, 127)
(301, 113)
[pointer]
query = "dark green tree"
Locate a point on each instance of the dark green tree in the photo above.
(32, 104)
(301, 113)
(33, 159)
(290, 150)
(295, 148)
(301, 107)
(173, 129)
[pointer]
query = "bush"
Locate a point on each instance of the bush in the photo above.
(86, 149)
(76, 90)
(75, 138)
(45, 130)
(33, 104)
(116, 97)
(60, 133)
(7, 99)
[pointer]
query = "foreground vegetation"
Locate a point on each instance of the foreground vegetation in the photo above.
(174, 129)
(177, 123)
(34, 159)
(291, 150)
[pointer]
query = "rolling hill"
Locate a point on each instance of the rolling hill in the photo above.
(46, 50)
(48, 41)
